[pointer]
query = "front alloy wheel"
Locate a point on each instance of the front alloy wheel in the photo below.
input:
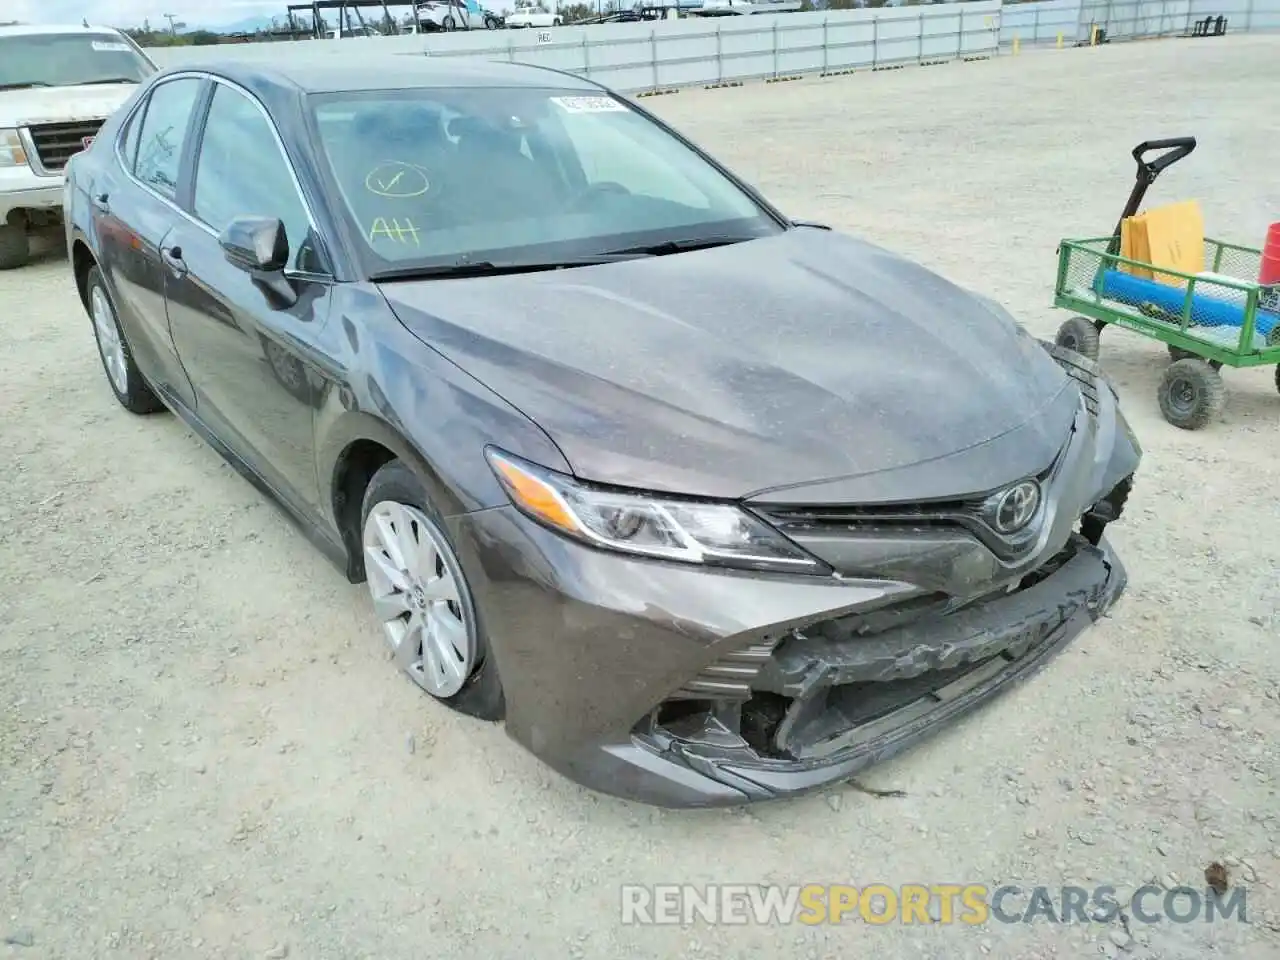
(415, 581)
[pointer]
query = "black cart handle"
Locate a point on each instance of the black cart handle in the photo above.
(1177, 148)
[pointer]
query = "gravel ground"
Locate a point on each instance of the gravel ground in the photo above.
(204, 753)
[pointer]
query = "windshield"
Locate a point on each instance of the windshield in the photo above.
(69, 59)
(436, 176)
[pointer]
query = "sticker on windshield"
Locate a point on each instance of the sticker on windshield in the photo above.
(588, 104)
(110, 46)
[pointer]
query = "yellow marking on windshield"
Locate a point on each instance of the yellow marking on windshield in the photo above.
(397, 180)
(394, 230)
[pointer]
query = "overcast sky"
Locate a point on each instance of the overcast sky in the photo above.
(129, 13)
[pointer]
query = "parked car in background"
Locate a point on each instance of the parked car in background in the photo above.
(448, 15)
(57, 86)
(527, 15)
(708, 505)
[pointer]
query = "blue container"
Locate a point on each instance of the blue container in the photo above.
(1206, 311)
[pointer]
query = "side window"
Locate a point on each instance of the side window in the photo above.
(241, 172)
(129, 138)
(163, 133)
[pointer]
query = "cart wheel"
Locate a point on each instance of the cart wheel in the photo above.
(1278, 378)
(1079, 334)
(1191, 394)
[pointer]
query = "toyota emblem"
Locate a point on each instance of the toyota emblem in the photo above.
(1014, 508)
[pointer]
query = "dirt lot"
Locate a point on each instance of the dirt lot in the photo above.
(204, 753)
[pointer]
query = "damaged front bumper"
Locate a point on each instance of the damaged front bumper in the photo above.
(823, 708)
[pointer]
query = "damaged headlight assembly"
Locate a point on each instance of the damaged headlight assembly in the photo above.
(650, 525)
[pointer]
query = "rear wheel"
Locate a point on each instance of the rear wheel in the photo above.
(421, 596)
(15, 247)
(117, 360)
(448, 23)
(1079, 334)
(1191, 394)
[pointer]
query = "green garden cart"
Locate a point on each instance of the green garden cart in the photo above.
(1220, 318)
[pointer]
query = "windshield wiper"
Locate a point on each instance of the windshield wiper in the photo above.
(488, 268)
(24, 85)
(681, 246)
(90, 83)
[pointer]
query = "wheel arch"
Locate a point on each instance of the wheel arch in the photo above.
(352, 452)
(82, 261)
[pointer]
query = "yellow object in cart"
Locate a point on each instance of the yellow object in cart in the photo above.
(1133, 246)
(1169, 238)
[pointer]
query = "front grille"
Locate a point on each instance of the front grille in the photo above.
(56, 143)
(968, 514)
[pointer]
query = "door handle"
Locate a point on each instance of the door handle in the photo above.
(173, 260)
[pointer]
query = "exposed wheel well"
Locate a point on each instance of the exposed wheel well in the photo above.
(355, 468)
(81, 263)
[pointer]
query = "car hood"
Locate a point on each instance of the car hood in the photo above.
(20, 108)
(774, 363)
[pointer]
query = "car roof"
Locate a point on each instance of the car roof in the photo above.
(340, 73)
(44, 29)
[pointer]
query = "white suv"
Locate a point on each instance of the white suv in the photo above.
(57, 86)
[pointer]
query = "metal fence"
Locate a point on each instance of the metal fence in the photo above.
(633, 57)
(673, 53)
(1042, 21)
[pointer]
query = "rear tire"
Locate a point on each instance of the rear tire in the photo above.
(1191, 394)
(123, 376)
(448, 24)
(1079, 334)
(15, 246)
(395, 498)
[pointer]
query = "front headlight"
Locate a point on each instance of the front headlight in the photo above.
(690, 531)
(11, 152)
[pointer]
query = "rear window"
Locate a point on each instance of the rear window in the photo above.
(69, 59)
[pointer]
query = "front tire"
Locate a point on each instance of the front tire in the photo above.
(117, 360)
(421, 596)
(448, 24)
(15, 246)
(1191, 394)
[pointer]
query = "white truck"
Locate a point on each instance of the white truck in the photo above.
(57, 86)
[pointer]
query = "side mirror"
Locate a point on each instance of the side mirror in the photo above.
(260, 247)
(255, 244)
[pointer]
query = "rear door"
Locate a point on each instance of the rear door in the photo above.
(134, 209)
(247, 354)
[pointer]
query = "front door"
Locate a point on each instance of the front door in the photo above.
(245, 350)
